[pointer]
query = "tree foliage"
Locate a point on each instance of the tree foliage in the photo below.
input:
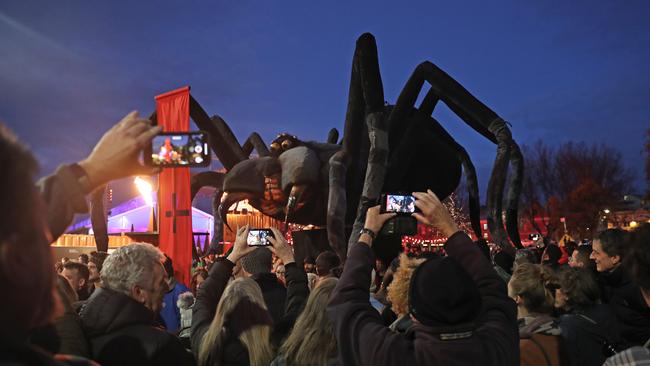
(573, 180)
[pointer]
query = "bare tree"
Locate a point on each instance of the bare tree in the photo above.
(575, 181)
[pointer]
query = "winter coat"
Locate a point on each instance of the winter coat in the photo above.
(234, 352)
(585, 331)
(363, 339)
(71, 335)
(631, 310)
(540, 342)
(64, 197)
(274, 293)
(17, 353)
(123, 331)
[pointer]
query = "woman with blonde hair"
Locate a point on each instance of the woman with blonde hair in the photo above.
(398, 292)
(231, 324)
(532, 286)
(311, 341)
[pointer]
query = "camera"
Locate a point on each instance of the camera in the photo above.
(404, 205)
(398, 203)
(259, 237)
(178, 149)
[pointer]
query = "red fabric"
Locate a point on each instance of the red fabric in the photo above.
(173, 112)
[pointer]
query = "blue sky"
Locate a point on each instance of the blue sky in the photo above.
(558, 71)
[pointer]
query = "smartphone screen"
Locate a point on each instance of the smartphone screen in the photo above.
(180, 149)
(258, 237)
(399, 203)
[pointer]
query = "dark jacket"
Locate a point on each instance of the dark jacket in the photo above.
(122, 331)
(64, 197)
(363, 339)
(631, 310)
(70, 332)
(209, 294)
(274, 293)
(584, 332)
(17, 353)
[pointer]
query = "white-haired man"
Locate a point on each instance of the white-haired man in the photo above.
(119, 319)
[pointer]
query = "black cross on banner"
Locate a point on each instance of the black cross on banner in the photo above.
(176, 212)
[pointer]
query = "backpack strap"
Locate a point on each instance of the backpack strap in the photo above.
(541, 348)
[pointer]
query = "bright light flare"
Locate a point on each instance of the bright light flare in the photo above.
(145, 190)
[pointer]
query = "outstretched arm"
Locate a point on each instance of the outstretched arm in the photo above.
(297, 288)
(115, 156)
(361, 336)
(498, 318)
(211, 290)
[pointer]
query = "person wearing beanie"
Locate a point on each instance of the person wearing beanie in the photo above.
(459, 305)
(257, 266)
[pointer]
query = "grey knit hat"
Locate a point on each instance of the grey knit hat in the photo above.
(259, 261)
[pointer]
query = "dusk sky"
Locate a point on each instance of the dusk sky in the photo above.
(557, 71)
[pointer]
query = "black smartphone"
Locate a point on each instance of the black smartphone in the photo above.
(396, 202)
(178, 149)
(259, 237)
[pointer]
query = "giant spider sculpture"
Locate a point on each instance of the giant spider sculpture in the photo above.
(398, 147)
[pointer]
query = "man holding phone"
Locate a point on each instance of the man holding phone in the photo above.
(459, 305)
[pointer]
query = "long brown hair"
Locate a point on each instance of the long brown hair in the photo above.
(256, 339)
(312, 341)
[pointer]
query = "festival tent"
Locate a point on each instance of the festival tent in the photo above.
(136, 216)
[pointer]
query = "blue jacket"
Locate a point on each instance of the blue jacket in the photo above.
(170, 313)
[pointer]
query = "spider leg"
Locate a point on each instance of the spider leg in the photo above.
(98, 218)
(255, 141)
(480, 118)
(405, 102)
(363, 119)
(222, 141)
(515, 185)
(369, 86)
(333, 136)
(337, 203)
(211, 179)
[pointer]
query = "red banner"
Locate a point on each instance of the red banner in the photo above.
(175, 206)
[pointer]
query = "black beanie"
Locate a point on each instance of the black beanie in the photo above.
(441, 293)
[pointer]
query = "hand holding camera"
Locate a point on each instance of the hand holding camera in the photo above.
(116, 155)
(240, 248)
(280, 247)
(434, 213)
(375, 219)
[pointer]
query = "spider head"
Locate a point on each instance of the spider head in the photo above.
(279, 186)
(282, 143)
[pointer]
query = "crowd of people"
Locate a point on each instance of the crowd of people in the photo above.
(575, 305)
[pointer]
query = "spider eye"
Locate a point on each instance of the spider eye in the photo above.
(275, 146)
(287, 144)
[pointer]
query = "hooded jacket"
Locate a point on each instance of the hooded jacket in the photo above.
(363, 339)
(123, 331)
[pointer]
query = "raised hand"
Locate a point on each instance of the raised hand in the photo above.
(280, 247)
(116, 154)
(434, 213)
(240, 249)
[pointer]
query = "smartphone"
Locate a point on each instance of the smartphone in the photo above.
(178, 149)
(399, 203)
(259, 237)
